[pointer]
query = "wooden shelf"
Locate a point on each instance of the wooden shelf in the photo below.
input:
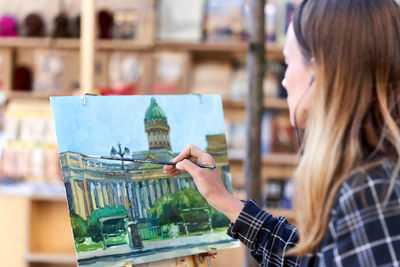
(51, 258)
(281, 159)
(269, 159)
(273, 50)
(26, 42)
(48, 197)
(269, 103)
(204, 46)
(105, 44)
(69, 43)
(275, 103)
(37, 94)
(287, 213)
(123, 45)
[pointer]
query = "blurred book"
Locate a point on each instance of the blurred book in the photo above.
(212, 77)
(240, 81)
(282, 93)
(5, 69)
(236, 138)
(289, 11)
(266, 133)
(171, 72)
(285, 10)
(126, 24)
(277, 135)
(225, 20)
(288, 194)
(270, 21)
(180, 20)
(132, 20)
(273, 79)
(30, 149)
(273, 193)
(278, 193)
(283, 137)
(271, 84)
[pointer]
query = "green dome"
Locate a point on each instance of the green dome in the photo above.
(154, 111)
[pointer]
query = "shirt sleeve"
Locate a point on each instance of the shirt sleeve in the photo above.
(267, 237)
(365, 231)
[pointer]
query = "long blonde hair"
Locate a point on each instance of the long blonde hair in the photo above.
(353, 121)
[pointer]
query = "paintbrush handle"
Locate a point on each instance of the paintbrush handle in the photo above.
(147, 161)
(205, 166)
(197, 164)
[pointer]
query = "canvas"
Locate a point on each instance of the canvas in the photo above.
(131, 212)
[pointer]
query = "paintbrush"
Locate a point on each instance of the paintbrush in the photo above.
(151, 161)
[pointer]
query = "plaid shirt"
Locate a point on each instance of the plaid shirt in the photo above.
(361, 231)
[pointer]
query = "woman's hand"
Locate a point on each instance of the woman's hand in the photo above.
(208, 181)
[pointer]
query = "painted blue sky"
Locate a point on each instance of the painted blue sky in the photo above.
(106, 120)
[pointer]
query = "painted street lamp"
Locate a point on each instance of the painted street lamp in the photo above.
(135, 240)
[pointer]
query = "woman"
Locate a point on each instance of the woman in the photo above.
(347, 187)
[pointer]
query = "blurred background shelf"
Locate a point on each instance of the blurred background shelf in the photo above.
(269, 103)
(70, 43)
(51, 258)
(269, 159)
(273, 51)
(36, 94)
(287, 213)
(27, 42)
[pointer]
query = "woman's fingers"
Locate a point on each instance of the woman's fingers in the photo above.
(170, 169)
(188, 152)
(187, 159)
(187, 165)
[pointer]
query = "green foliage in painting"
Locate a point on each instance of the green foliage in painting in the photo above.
(168, 209)
(79, 228)
(93, 220)
(219, 219)
(114, 226)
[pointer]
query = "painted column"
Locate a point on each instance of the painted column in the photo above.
(77, 208)
(165, 188)
(93, 195)
(80, 199)
(138, 199)
(87, 200)
(100, 195)
(110, 194)
(158, 189)
(105, 195)
(120, 194)
(171, 183)
(126, 197)
(152, 193)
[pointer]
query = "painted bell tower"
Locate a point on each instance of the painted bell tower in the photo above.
(156, 127)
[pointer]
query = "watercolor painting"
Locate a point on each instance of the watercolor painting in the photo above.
(123, 208)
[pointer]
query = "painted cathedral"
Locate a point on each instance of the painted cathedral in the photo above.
(93, 183)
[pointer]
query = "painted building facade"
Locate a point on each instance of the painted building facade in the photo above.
(95, 183)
